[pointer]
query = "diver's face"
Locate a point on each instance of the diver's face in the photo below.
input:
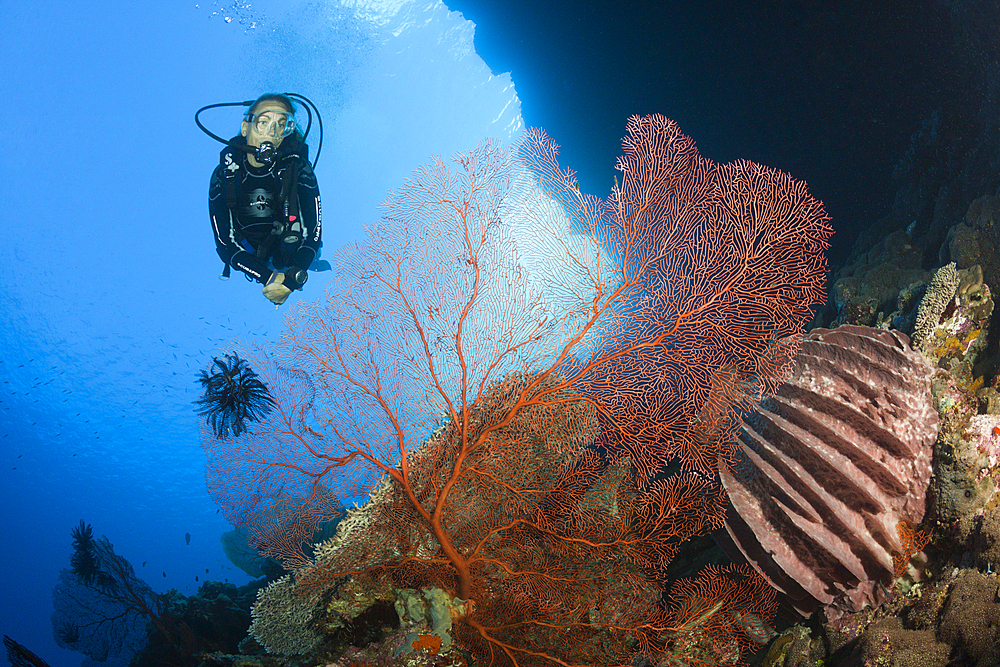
(268, 125)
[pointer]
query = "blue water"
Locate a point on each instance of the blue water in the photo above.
(110, 298)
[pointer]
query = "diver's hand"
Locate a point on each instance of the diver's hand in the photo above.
(275, 290)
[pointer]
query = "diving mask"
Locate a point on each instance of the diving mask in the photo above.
(273, 123)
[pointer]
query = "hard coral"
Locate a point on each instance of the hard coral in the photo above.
(888, 643)
(970, 621)
(954, 316)
(284, 620)
(932, 307)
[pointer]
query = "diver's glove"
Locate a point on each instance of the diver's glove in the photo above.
(275, 290)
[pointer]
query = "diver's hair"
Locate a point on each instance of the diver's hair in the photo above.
(283, 100)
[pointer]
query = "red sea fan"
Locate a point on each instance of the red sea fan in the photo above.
(718, 266)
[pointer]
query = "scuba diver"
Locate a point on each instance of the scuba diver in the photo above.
(263, 198)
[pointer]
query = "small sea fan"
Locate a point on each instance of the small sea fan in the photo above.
(232, 396)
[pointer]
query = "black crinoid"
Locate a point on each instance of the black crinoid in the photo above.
(84, 561)
(233, 395)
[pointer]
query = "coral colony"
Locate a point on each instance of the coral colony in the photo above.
(538, 389)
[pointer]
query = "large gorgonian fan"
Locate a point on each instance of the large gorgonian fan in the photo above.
(233, 395)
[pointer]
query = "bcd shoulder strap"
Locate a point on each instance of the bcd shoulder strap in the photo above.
(230, 163)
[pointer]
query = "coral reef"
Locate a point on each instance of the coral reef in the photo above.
(102, 609)
(887, 642)
(976, 239)
(562, 552)
(213, 621)
(881, 288)
(955, 620)
(970, 618)
(953, 317)
(942, 610)
(939, 612)
(939, 294)
(581, 365)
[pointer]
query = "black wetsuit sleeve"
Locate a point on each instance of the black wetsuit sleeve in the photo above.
(224, 229)
(310, 210)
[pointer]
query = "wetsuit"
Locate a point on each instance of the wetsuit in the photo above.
(241, 231)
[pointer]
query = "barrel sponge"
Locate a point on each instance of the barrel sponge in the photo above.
(284, 620)
(828, 469)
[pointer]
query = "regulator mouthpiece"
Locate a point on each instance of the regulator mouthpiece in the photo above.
(266, 153)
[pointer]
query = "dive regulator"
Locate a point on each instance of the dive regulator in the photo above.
(267, 152)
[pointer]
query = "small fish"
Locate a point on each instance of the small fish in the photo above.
(196, 577)
(164, 574)
(144, 563)
(206, 570)
(187, 539)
